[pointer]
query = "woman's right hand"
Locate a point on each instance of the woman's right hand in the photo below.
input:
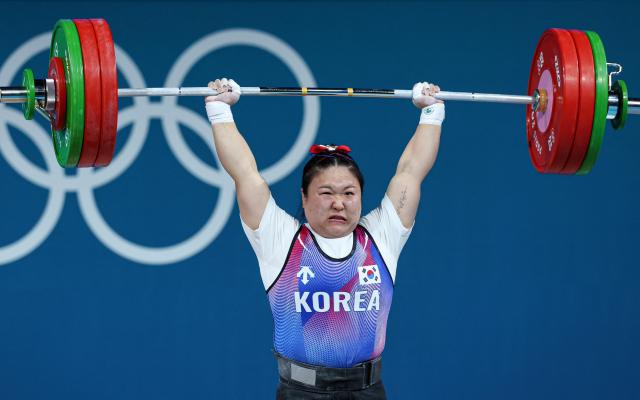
(228, 91)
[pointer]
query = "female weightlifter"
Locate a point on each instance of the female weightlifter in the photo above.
(329, 280)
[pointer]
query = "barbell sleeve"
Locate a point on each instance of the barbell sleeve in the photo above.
(13, 94)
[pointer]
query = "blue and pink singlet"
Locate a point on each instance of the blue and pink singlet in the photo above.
(331, 312)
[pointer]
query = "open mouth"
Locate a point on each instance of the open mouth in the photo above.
(337, 219)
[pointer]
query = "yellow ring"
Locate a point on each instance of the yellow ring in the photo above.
(349, 91)
(304, 91)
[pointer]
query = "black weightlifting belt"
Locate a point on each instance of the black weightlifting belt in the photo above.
(358, 377)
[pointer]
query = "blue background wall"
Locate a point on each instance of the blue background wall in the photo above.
(514, 285)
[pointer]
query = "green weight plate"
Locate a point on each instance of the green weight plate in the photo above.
(620, 88)
(65, 43)
(29, 107)
(601, 103)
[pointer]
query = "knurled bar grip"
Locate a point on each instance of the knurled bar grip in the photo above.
(339, 92)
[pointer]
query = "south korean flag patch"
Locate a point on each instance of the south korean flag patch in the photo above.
(369, 274)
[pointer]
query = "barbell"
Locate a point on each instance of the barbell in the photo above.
(571, 96)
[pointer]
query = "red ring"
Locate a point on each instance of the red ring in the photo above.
(109, 80)
(59, 114)
(92, 93)
(587, 102)
(556, 54)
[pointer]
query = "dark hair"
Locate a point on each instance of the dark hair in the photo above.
(327, 159)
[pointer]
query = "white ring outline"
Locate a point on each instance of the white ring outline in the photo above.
(170, 113)
(55, 201)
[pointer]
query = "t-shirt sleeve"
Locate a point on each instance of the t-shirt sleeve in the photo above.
(388, 232)
(271, 241)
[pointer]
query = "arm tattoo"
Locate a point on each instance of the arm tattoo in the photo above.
(403, 199)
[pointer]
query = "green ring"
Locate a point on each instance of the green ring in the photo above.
(620, 88)
(29, 106)
(601, 103)
(65, 43)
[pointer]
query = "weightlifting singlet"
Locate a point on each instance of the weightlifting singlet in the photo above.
(327, 311)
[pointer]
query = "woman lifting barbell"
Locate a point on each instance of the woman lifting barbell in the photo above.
(330, 280)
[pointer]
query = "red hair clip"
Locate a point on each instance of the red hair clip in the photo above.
(324, 148)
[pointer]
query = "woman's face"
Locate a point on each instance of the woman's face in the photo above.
(333, 202)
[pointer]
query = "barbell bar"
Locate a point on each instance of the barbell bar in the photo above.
(18, 94)
(571, 94)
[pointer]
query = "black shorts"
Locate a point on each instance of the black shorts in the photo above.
(289, 391)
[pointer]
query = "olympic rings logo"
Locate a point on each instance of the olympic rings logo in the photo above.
(139, 115)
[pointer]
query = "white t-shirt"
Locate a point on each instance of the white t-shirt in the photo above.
(272, 240)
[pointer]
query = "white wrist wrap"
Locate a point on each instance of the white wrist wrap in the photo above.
(218, 112)
(432, 115)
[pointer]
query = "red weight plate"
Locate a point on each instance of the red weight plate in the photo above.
(59, 114)
(555, 69)
(109, 79)
(587, 102)
(92, 93)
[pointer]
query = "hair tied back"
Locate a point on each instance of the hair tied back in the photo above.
(327, 148)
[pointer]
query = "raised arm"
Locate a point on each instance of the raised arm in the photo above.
(419, 155)
(234, 153)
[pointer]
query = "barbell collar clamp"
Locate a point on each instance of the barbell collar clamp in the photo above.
(48, 104)
(618, 70)
(540, 100)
